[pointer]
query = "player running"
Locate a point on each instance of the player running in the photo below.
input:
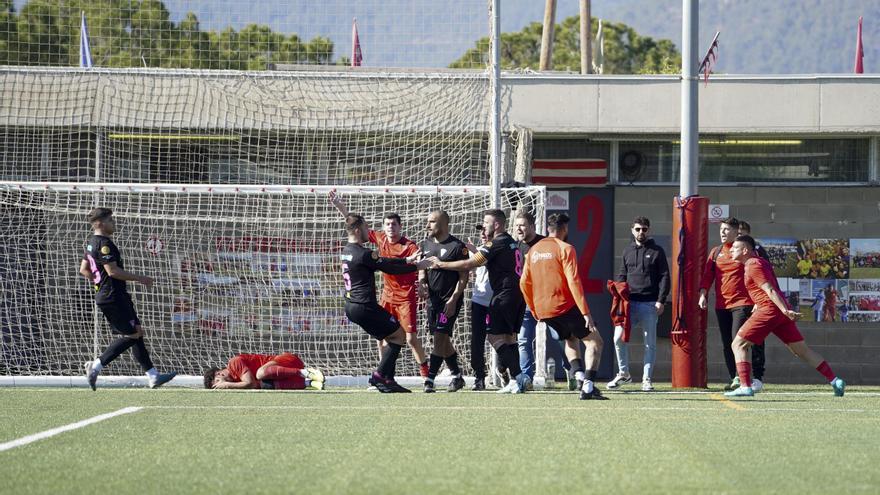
(399, 290)
(503, 257)
(444, 291)
(283, 371)
(359, 266)
(771, 315)
(102, 265)
(552, 289)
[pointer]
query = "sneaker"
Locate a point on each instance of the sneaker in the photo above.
(647, 386)
(838, 385)
(741, 392)
(757, 385)
(317, 378)
(429, 387)
(479, 385)
(620, 379)
(523, 383)
(507, 389)
(91, 375)
(423, 370)
(162, 379)
(456, 384)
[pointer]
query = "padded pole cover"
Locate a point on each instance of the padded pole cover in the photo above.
(690, 237)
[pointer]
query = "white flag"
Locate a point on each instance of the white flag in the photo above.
(85, 51)
(599, 57)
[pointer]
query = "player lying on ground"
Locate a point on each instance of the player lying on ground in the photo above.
(102, 266)
(771, 315)
(359, 267)
(284, 371)
(552, 289)
(398, 290)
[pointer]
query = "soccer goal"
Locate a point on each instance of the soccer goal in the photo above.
(239, 268)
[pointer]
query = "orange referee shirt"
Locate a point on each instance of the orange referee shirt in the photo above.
(397, 289)
(550, 281)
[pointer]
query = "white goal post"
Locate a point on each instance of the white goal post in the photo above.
(239, 268)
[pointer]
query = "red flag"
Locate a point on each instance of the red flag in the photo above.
(860, 53)
(710, 58)
(356, 56)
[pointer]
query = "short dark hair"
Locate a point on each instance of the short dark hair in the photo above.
(209, 377)
(557, 220)
(642, 221)
(732, 222)
(353, 223)
(747, 239)
(442, 214)
(392, 216)
(528, 217)
(743, 225)
(497, 214)
(99, 214)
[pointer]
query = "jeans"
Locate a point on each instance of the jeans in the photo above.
(642, 315)
(526, 342)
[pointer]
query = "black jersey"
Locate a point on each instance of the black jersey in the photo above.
(101, 250)
(504, 261)
(359, 266)
(441, 283)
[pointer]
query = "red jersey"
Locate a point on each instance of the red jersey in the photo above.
(397, 289)
(247, 362)
(730, 287)
(759, 271)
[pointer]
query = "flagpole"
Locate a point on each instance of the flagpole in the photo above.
(495, 89)
(689, 102)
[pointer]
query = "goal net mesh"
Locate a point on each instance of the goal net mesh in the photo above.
(237, 269)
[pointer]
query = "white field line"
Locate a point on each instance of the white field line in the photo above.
(585, 407)
(61, 429)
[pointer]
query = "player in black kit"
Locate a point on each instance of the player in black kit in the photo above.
(443, 289)
(504, 259)
(359, 266)
(102, 266)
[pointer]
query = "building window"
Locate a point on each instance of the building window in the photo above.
(744, 160)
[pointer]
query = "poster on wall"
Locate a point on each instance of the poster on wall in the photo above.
(864, 258)
(863, 300)
(823, 300)
(823, 258)
(783, 254)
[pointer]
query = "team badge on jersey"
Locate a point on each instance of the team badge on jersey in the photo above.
(375, 255)
(105, 250)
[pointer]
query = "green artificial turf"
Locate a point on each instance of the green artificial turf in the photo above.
(788, 439)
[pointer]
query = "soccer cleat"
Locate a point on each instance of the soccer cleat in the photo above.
(396, 388)
(91, 375)
(839, 386)
(267, 385)
(456, 384)
(378, 382)
(595, 394)
(315, 375)
(620, 379)
(162, 379)
(740, 392)
(647, 386)
(423, 370)
(429, 387)
(586, 388)
(757, 385)
(479, 385)
(316, 385)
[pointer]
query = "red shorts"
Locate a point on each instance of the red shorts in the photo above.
(404, 312)
(289, 360)
(763, 323)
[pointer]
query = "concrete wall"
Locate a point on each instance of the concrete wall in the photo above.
(852, 349)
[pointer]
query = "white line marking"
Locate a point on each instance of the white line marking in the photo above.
(61, 429)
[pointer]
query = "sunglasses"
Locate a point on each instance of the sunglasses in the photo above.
(640, 229)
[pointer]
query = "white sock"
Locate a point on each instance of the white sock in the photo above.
(97, 366)
(152, 374)
(304, 373)
(308, 383)
(588, 386)
(580, 375)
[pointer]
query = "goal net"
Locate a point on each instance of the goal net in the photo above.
(239, 268)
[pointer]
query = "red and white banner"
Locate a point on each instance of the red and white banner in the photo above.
(571, 172)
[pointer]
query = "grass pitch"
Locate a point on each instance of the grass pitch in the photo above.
(788, 439)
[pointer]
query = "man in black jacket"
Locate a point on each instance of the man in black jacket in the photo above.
(645, 270)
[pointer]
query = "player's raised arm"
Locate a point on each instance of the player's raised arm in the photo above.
(337, 203)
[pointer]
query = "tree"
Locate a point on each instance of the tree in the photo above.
(626, 52)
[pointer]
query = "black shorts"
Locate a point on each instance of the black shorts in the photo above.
(372, 318)
(121, 316)
(437, 320)
(569, 324)
(506, 313)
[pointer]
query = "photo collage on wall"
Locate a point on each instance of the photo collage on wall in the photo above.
(828, 280)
